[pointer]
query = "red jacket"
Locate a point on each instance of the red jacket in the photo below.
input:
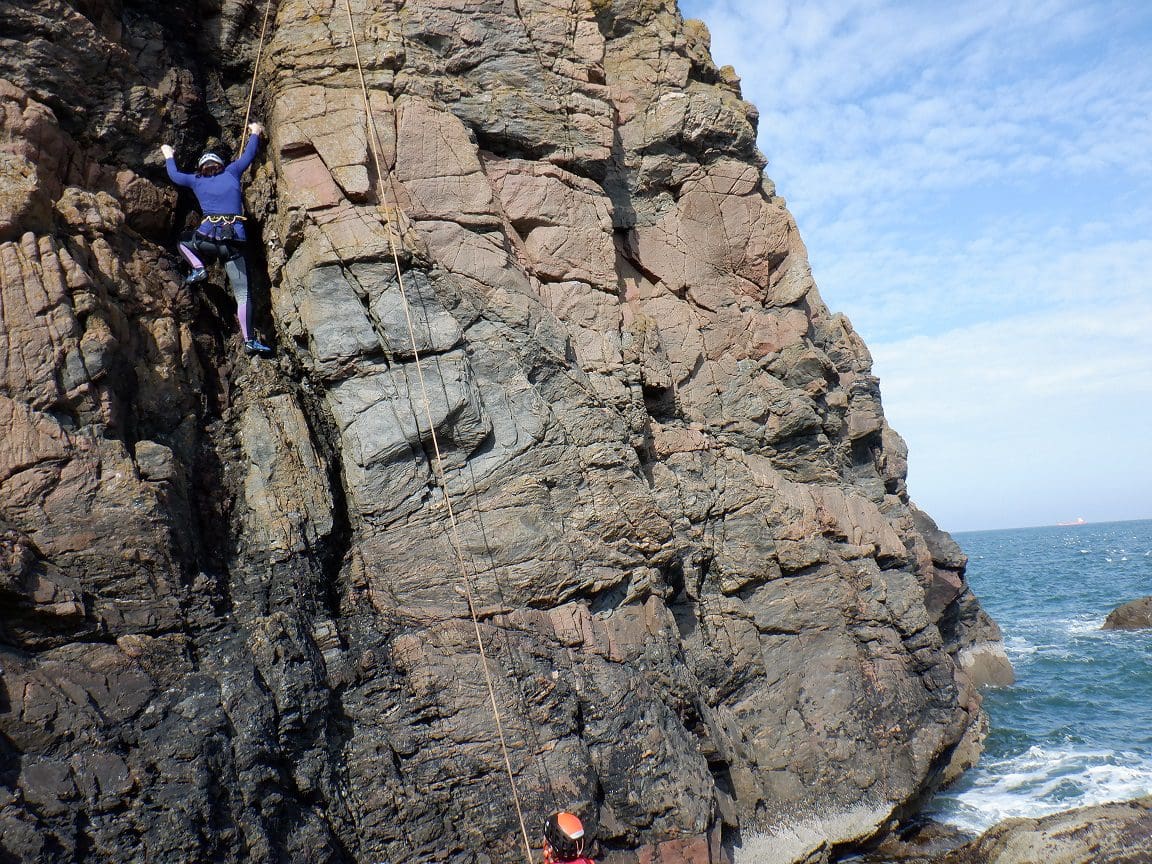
(548, 859)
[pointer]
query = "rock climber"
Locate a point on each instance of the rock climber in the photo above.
(220, 235)
(564, 840)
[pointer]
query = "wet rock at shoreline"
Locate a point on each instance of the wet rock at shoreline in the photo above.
(1104, 834)
(1118, 833)
(920, 841)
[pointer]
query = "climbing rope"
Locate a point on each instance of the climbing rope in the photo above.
(457, 546)
(255, 72)
(393, 230)
(401, 12)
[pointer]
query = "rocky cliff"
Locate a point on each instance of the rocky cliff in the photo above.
(548, 351)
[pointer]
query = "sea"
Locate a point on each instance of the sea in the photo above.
(1076, 727)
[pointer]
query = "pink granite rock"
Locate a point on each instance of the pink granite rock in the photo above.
(549, 351)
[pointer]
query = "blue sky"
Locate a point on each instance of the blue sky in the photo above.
(974, 185)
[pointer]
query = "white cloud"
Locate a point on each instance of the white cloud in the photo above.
(928, 281)
(899, 95)
(1027, 420)
(989, 367)
(973, 185)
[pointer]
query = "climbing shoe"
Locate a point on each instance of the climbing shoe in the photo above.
(256, 347)
(198, 274)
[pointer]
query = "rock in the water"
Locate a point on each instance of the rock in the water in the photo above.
(920, 841)
(1106, 834)
(1134, 615)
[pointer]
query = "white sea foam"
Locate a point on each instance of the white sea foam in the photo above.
(1058, 628)
(1083, 626)
(1083, 696)
(1044, 780)
(1018, 646)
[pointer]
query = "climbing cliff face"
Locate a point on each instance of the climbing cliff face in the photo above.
(548, 351)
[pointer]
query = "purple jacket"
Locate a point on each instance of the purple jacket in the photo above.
(220, 195)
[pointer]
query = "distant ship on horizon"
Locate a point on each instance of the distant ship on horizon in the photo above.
(1079, 521)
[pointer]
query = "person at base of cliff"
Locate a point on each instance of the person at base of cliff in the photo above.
(564, 840)
(220, 235)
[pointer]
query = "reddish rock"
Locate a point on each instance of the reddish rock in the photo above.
(539, 318)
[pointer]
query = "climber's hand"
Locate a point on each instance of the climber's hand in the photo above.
(167, 151)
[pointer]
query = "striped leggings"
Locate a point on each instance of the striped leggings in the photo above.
(199, 251)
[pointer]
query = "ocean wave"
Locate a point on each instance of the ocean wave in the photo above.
(1018, 646)
(1040, 781)
(1084, 626)
(1054, 633)
(1073, 730)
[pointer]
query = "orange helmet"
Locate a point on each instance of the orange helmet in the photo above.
(565, 834)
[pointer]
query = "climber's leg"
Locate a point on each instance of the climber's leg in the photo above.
(190, 256)
(189, 247)
(236, 266)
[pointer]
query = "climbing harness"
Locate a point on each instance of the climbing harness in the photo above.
(220, 228)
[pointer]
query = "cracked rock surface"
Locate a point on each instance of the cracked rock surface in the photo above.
(541, 292)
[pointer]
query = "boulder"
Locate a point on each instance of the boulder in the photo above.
(1105, 834)
(1133, 615)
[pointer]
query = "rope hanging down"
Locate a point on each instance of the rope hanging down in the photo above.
(255, 72)
(375, 147)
